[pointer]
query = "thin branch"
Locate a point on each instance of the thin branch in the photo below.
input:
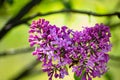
(81, 12)
(24, 11)
(12, 24)
(14, 20)
(114, 64)
(116, 58)
(73, 11)
(112, 26)
(26, 70)
(16, 51)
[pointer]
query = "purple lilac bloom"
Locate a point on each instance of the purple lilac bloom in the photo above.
(62, 48)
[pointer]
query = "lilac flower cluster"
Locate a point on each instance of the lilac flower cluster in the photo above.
(62, 48)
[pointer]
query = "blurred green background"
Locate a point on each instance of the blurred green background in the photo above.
(16, 60)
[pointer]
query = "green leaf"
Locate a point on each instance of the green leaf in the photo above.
(79, 78)
(76, 77)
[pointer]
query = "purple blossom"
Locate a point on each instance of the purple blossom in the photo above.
(60, 48)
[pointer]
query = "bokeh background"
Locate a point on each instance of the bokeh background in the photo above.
(16, 60)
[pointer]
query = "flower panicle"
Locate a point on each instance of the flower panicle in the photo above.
(60, 48)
